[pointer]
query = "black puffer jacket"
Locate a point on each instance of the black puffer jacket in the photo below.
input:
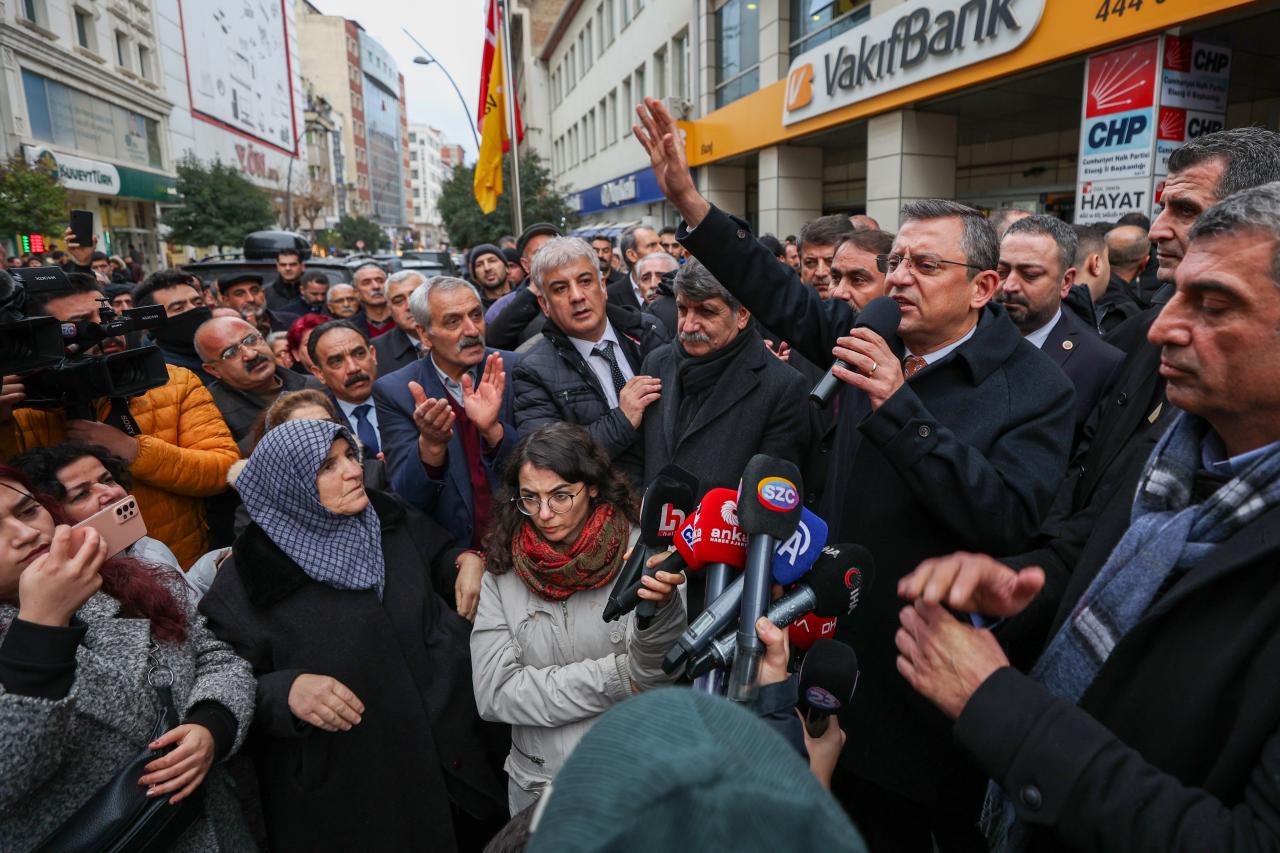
(553, 382)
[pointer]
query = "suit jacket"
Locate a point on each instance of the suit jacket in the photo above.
(1087, 359)
(759, 405)
(966, 455)
(395, 350)
(553, 382)
(1116, 305)
(448, 499)
(622, 294)
(1176, 744)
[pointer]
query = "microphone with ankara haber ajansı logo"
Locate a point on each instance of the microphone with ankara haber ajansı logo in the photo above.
(768, 512)
(668, 502)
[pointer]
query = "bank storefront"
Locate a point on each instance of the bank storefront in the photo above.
(610, 207)
(108, 156)
(1063, 107)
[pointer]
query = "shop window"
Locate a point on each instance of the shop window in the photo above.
(738, 51)
(814, 22)
(82, 122)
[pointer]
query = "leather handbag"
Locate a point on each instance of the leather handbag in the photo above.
(120, 817)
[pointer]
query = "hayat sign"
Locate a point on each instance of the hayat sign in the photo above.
(909, 43)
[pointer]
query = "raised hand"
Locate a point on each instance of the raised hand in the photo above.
(54, 586)
(434, 419)
(483, 402)
(658, 134)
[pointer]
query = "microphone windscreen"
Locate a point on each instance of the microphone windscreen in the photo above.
(769, 497)
(828, 676)
(793, 558)
(669, 500)
(882, 316)
(718, 539)
(810, 628)
(838, 578)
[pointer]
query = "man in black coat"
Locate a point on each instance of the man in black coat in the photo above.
(402, 345)
(603, 244)
(965, 444)
(587, 368)
(1161, 730)
(726, 396)
(638, 241)
(1035, 275)
(287, 285)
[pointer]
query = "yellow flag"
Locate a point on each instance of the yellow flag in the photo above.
(488, 180)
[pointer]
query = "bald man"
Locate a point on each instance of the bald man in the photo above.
(247, 378)
(1129, 250)
(1002, 218)
(862, 222)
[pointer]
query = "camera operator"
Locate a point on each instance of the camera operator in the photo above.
(173, 437)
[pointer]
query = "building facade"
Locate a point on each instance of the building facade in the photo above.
(84, 93)
(319, 200)
(427, 174)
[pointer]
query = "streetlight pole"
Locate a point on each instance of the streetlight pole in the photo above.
(428, 59)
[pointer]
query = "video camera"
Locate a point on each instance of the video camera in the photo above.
(52, 356)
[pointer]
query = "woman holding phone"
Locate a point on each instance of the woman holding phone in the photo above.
(78, 633)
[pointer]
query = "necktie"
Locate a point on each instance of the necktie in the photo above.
(604, 349)
(913, 365)
(364, 429)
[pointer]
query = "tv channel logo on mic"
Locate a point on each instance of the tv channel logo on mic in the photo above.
(778, 494)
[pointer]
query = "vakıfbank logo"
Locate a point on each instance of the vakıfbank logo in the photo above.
(799, 87)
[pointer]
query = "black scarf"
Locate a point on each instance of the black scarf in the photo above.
(698, 375)
(178, 334)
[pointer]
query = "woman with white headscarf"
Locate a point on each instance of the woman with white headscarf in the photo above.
(367, 736)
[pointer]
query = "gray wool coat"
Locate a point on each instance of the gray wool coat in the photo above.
(55, 754)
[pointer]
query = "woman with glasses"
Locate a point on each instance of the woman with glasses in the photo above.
(366, 735)
(543, 659)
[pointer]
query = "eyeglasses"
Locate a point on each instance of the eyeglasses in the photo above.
(250, 341)
(560, 503)
(923, 264)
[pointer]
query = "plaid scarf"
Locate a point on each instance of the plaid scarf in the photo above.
(1167, 536)
(278, 487)
(589, 563)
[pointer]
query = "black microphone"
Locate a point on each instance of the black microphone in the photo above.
(833, 587)
(670, 499)
(768, 510)
(828, 677)
(882, 316)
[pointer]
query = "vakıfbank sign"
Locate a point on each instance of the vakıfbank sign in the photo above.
(909, 43)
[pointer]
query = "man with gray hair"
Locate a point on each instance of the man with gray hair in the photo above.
(1036, 273)
(963, 441)
(1149, 721)
(446, 420)
(636, 242)
(587, 368)
(402, 345)
(655, 286)
(725, 396)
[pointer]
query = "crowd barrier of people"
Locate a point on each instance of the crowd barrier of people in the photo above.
(588, 547)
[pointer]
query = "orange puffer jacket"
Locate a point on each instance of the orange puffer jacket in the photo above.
(184, 452)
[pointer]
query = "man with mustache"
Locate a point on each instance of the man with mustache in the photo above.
(1036, 273)
(951, 434)
(370, 281)
(246, 377)
(343, 358)
(446, 419)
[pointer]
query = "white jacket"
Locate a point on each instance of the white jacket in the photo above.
(550, 668)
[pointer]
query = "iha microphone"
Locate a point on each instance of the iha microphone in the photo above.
(832, 588)
(882, 316)
(768, 512)
(667, 503)
(828, 677)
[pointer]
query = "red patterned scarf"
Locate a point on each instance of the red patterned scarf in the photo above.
(589, 563)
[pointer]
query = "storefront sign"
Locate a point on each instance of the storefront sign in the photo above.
(1107, 201)
(905, 45)
(1193, 94)
(636, 188)
(1118, 116)
(99, 178)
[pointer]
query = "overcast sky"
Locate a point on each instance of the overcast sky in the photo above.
(453, 30)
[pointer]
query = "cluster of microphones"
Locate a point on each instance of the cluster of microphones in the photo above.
(744, 542)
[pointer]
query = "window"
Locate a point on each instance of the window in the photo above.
(738, 55)
(590, 52)
(602, 110)
(608, 21)
(814, 22)
(639, 6)
(122, 49)
(413, 174)
(624, 126)
(600, 29)
(32, 11)
(573, 66)
(593, 144)
(612, 117)
(660, 73)
(84, 29)
(144, 62)
(680, 65)
(625, 5)
(640, 89)
(584, 48)
(79, 121)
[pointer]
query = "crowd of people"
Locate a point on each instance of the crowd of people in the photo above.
(385, 519)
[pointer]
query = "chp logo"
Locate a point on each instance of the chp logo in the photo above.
(729, 512)
(800, 87)
(778, 494)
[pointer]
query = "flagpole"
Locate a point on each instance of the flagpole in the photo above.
(509, 91)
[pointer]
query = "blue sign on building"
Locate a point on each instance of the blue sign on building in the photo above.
(636, 188)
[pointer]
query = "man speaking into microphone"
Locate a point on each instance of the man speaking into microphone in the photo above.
(957, 443)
